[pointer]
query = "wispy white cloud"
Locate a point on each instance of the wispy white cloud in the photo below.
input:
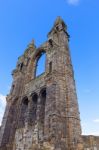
(2, 106)
(73, 2)
(95, 133)
(96, 120)
(90, 127)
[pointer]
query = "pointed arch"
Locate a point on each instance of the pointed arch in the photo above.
(34, 108)
(40, 63)
(42, 108)
(24, 111)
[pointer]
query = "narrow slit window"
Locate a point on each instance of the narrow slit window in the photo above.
(50, 67)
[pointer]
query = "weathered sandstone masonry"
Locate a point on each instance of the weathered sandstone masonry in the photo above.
(42, 109)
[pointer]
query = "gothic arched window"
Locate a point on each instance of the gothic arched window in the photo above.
(24, 110)
(34, 109)
(42, 108)
(41, 64)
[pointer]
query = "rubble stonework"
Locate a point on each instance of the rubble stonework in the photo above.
(91, 142)
(42, 111)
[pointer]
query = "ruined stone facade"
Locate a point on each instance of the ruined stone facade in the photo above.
(42, 110)
(91, 142)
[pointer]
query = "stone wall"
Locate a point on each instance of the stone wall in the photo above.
(91, 142)
(42, 112)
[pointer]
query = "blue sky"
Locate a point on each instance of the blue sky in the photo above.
(22, 21)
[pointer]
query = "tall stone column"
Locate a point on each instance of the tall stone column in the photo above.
(67, 118)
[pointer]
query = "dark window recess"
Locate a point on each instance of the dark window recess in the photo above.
(42, 109)
(21, 66)
(34, 108)
(34, 98)
(25, 101)
(24, 110)
(50, 67)
(57, 28)
(51, 42)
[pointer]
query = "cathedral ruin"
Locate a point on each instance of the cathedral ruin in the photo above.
(42, 111)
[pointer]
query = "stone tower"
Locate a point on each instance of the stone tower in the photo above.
(42, 109)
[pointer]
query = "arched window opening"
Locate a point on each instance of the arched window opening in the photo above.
(24, 111)
(25, 101)
(41, 64)
(34, 107)
(43, 97)
(42, 109)
(35, 98)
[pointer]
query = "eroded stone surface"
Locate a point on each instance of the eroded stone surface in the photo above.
(91, 142)
(42, 112)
